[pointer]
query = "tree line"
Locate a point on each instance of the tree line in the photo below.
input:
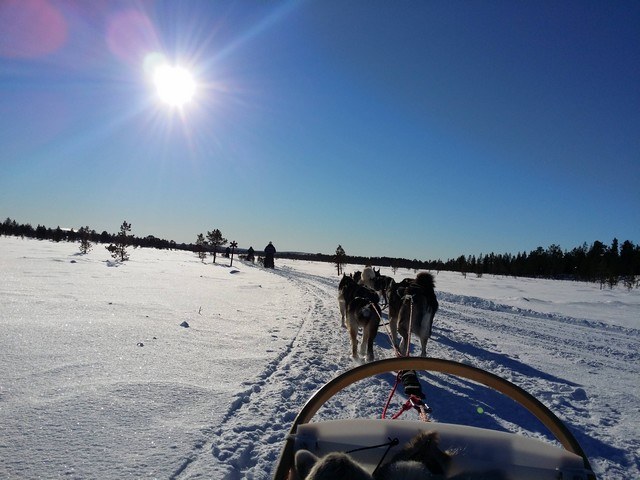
(598, 262)
(606, 264)
(116, 242)
(41, 232)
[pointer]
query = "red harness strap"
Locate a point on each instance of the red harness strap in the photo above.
(391, 393)
(411, 383)
(414, 401)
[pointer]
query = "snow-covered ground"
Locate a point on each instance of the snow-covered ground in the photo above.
(98, 379)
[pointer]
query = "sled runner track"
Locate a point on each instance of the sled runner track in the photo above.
(516, 345)
(483, 304)
(247, 441)
(550, 333)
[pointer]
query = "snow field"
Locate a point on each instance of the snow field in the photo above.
(99, 380)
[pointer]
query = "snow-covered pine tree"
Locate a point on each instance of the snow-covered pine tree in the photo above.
(119, 248)
(85, 240)
(201, 249)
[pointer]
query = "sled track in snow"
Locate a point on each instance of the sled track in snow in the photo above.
(247, 442)
(517, 344)
(560, 336)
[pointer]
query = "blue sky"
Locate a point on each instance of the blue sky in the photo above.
(407, 129)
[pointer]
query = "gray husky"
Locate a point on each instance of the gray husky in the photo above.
(412, 301)
(360, 306)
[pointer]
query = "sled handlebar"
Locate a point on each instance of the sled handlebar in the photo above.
(528, 401)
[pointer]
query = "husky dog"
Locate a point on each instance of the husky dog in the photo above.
(367, 276)
(412, 301)
(345, 286)
(363, 312)
(382, 284)
(396, 292)
(419, 459)
(359, 305)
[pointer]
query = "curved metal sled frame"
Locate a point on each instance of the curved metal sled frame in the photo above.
(541, 412)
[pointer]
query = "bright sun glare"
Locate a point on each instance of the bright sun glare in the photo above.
(175, 85)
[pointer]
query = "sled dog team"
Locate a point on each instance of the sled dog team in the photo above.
(412, 305)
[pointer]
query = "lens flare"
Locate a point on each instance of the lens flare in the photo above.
(31, 28)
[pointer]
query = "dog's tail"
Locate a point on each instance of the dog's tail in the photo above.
(425, 280)
(427, 285)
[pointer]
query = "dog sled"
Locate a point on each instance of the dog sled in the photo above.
(371, 442)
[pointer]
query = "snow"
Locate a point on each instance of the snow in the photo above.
(98, 379)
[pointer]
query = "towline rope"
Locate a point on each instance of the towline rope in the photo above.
(409, 378)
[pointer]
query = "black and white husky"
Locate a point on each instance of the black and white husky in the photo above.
(382, 284)
(412, 302)
(359, 306)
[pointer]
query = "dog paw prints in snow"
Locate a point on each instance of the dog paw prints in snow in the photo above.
(606, 415)
(289, 417)
(315, 362)
(577, 394)
(238, 402)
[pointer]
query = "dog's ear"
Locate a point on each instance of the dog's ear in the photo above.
(334, 466)
(304, 461)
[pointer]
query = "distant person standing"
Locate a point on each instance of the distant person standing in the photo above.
(269, 253)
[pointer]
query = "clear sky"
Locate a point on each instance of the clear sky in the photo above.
(411, 129)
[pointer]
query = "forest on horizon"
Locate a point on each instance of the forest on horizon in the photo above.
(598, 262)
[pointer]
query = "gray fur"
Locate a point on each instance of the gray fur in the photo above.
(412, 302)
(359, 306)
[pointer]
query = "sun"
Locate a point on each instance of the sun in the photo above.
(175, 85)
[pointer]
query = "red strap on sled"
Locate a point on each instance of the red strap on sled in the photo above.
(414, 401)
(391, 394)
